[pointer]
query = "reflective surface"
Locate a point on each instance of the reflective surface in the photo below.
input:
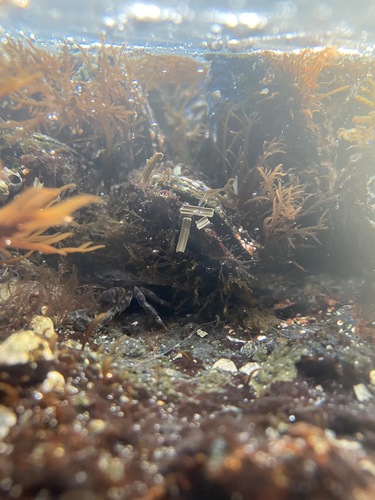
(195, 25)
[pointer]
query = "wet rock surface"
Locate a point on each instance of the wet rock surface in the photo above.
(178, 414)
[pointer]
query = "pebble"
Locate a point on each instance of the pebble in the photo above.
(249, 368)
(202, 333)
(44, 326)
(7, 419)
(97, 425)
(23, 347)
(362, 393)
(225, 365)
(54, 382)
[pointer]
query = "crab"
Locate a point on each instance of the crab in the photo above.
(123, 288)
(209, 274)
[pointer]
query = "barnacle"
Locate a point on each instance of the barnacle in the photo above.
(25, 219)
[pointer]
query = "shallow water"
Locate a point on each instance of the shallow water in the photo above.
(195, 25)
(217, 338)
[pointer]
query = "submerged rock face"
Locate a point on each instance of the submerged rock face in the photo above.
(228, 363)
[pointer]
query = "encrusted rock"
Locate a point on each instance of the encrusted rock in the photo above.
(54, 382)
(4, 191)
(23, 347)
(44, 327)
(225, 365)
(25, 357)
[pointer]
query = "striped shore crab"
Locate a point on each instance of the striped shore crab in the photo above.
(122, 291)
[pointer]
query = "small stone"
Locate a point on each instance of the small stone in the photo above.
(362, 393)
(7, 419)
(23, 347)
(44, 326)
(4, 191)
(54, 382)
(112, 466)
(97, 425)
(201, 333)
(225, 364)
(372, 377)
(261, 338)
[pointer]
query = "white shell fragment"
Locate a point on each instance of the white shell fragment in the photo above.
(225, 365)
(202, 333)
(362, 393)
(192, 210)
(235, 185)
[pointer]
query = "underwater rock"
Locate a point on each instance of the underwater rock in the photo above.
(24, 347)
(225, 365)
(272, 464)
(35, 157)
(79, 320)
(4, 191)
(10, 182)
(25, 357)
(44, 326)
(54, 382)
(276, 129)
(330, 353)
(140, 231)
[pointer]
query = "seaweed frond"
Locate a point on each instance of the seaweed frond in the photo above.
(297, 77)
(86, 98)
(25, 219)
(281, 227)
(363, 133)
(269, 178)
(267, 164)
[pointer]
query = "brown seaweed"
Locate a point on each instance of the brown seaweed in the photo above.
(25, 219)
